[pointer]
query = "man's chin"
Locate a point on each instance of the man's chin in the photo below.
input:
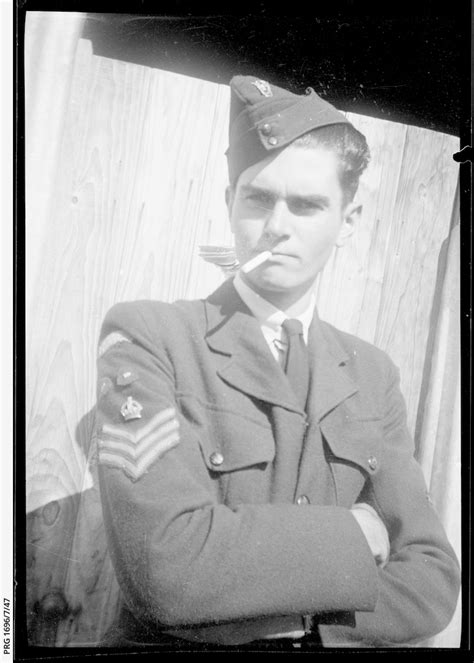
(273, 283)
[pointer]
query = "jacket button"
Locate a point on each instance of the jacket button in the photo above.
(302, 500)
(273, 140)
(266, 129)
(373, 462)
(216, 458)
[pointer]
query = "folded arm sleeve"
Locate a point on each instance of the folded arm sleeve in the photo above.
(181, 556)
(420, 583)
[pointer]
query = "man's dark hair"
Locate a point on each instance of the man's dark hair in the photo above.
(349, 145)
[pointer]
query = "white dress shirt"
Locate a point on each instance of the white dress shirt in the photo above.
(271, 318)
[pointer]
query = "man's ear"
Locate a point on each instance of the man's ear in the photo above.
(351, 216)
(229, 197)
(229, 201)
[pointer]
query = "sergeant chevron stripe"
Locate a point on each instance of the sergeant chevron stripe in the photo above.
(135, 452)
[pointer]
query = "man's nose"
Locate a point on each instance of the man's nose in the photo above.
(277, 222)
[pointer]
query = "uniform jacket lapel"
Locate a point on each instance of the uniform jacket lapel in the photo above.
(248, 365)
(245, 361)
(330, 383)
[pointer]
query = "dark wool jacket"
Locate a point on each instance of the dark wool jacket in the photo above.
(227, 507)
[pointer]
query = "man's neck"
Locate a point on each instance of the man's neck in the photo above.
(292, 304)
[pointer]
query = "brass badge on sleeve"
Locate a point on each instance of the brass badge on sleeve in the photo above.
(131, 409)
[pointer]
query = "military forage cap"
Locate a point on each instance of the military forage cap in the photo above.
(264, 118)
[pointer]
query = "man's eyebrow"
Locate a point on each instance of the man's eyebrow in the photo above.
(311, 199)
(251, 188)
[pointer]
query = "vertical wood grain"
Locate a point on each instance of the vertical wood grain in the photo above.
(50, 43)
(381, 286)
(440, 450)
(139, 184)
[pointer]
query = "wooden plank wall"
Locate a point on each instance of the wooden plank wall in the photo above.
(139, 185)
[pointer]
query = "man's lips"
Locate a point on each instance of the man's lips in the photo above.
(273, 251)
(263, 257)
(275, 257)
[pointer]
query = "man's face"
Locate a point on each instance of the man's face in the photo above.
(291, 204)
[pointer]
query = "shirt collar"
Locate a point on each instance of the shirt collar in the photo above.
(270, 316)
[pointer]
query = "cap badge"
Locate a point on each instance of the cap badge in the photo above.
(263, 87)
(131, 409)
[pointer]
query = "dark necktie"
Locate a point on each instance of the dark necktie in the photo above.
(297, 360)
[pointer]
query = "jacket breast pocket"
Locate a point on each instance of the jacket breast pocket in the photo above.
(353, 450)
(238, 454)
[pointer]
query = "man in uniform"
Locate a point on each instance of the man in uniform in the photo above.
(257, 475)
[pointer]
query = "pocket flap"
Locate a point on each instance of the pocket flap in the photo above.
(246, 446)
(353, 441)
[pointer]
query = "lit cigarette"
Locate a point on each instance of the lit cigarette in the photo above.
(255, 262)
